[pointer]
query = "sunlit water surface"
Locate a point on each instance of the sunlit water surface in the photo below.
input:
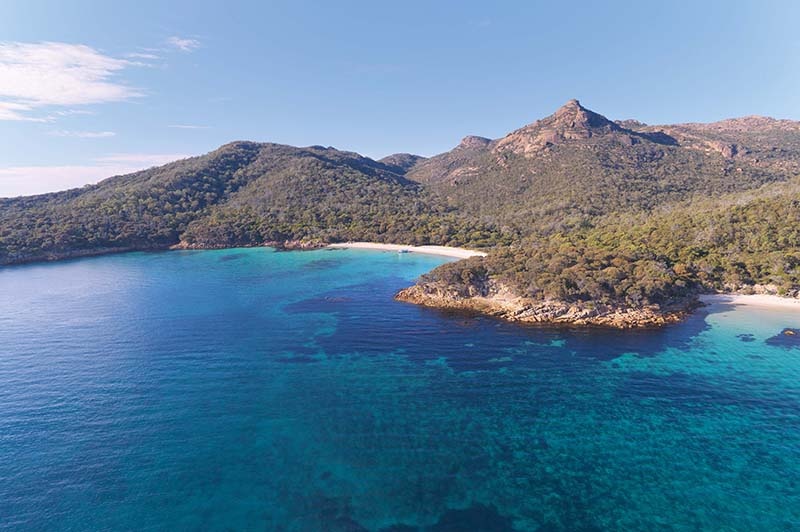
(252, 389)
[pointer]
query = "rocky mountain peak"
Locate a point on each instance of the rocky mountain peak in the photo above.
(572, 115)
(571, 121)
(472, 142)
(572, 106)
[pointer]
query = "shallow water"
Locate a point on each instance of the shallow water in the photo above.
(251, 389)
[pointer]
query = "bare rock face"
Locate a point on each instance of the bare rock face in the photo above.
(573, 118)
(747, 124)
(630, 123)
(473, 142)
(727, 150)
(571, 122)
(495, 299)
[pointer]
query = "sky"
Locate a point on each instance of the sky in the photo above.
(90, 89)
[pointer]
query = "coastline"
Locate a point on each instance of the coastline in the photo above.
(496, 300)
(501, 303)
(751, 300)
(442, 251)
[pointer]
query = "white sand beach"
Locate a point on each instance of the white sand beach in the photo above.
(445, 251)
(754, 300)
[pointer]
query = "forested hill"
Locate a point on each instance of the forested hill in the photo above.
(574, 165)
(655, 261)
(574, 208)
(242, 194)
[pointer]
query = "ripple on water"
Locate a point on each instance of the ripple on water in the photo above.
(288, 391)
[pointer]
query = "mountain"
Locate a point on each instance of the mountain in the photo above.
(766, 143)
(401, 162)
(576, 164)
(143, 210)
(586, 220)
(633, 269)
(241, 194)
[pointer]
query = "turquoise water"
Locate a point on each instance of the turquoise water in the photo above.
(257, 390)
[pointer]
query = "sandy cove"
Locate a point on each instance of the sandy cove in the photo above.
(752, 300)
(545, 312)
(444, 251)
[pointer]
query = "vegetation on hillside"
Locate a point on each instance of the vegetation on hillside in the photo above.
(242, 194)
(574, 166)
(329, 196)
(573, 207)
(144, 210)
(732, 243)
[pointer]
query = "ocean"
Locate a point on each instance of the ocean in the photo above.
(249, 389)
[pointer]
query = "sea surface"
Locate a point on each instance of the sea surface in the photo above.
(262, 390)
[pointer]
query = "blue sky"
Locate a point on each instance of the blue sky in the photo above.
(90, 88)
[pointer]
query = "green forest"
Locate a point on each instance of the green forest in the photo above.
(730, 244)
(573, 207)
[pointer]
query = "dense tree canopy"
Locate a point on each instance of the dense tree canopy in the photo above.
(573, 207)
(730, 243)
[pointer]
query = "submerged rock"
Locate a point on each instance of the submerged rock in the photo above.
(788, 338)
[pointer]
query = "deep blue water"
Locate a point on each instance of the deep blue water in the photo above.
(257, 390)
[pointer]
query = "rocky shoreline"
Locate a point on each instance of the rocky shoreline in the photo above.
(500, 302)
(54, 256)
(494, 299)
(280, 245)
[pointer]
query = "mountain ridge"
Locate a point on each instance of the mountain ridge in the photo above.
(544, 200)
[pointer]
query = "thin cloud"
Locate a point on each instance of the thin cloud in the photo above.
(143, 160)
(29, 180)
(16, 111)
(45, 74)
(182, 44)
(82, 134)
(73, 112)
(188, 126)
(140, 55)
